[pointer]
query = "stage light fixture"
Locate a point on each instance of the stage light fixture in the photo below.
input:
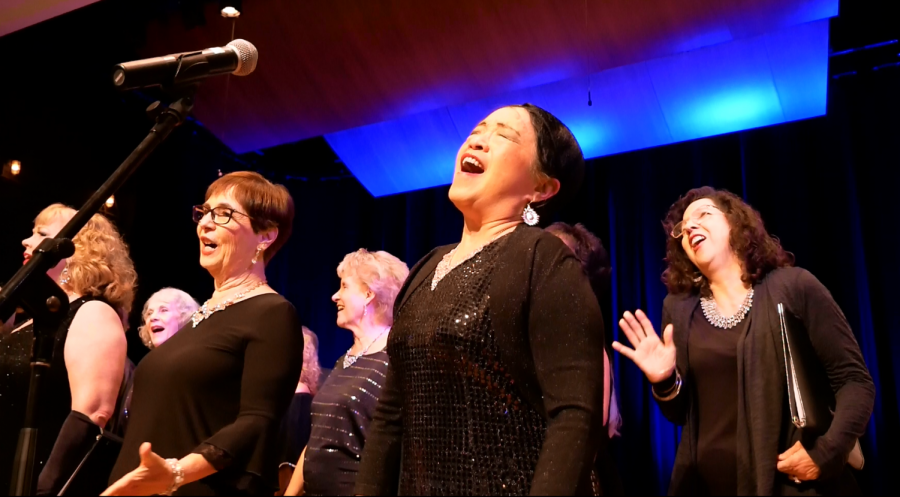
(15, 167)
(230, 12)
(110, 202)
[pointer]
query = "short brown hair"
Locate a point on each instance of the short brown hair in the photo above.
(757, 250)
(268, 205)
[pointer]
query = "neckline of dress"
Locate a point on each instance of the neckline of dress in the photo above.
(444, 267)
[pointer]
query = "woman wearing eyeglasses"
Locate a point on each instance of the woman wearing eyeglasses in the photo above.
(207, 403)
(719, 369)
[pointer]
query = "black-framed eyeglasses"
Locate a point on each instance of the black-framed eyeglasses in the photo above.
(219, 215)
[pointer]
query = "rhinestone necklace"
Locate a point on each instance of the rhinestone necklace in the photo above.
(204, 311)
(444, 267)
(711, 311)
(350, 360)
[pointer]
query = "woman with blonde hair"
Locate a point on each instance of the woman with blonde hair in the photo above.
(165, 312)
(86, 384)
(344, 407)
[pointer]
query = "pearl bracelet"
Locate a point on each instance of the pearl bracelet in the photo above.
(177, 473)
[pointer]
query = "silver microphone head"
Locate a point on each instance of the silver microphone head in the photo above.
(247, 54)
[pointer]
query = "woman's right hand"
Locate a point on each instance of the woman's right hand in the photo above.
(655, 357)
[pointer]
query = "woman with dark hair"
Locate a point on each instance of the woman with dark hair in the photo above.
(720, 369)
(208, 403)
(595, 262)
(495, 381)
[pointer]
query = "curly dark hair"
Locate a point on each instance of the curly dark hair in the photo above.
(758, 251)
(589, 250)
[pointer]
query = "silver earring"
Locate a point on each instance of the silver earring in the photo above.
(365, 311)
(256, 256)
(530, 216)
(64, 280)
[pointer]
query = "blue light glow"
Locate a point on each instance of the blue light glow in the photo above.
(764, 80)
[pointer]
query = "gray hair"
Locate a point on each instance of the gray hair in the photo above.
(184, 305)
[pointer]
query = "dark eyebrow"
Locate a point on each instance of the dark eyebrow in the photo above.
(504, 125)
(499, 125)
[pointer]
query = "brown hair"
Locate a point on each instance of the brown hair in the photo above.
(589, 250)
(311, 369)
(757, 250)
(268, 205)
(101, 266)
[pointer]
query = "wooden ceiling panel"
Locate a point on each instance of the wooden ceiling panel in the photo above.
(331, 65)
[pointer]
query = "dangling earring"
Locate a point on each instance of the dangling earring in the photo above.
(366, 310)
(530, 216)
(255, 258)
(64, 280)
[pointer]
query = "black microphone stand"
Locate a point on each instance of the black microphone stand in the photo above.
(46, 302)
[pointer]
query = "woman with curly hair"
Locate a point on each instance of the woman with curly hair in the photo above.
(165, 312)
(85, 386)
(719, 369)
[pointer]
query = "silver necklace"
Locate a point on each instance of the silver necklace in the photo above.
(204, 311)
(350, 359)
(445, 266)
(715, 318)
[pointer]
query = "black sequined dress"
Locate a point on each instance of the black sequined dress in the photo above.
(471, 399)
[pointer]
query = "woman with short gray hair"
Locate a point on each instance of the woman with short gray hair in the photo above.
(165, 312)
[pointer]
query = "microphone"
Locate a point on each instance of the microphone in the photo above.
(238, 57)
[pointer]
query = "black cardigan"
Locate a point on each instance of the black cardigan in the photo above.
(764, 428)
(550, 332)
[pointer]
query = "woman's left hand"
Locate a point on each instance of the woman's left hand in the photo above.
(152, 477)
(796, 463)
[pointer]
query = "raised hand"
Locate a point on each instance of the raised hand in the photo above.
(152, 477)
(655, 357)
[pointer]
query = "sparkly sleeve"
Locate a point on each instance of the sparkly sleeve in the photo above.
(269, 377)
(379, 470)
(566, 338)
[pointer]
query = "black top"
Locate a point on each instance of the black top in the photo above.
(495, 384)
(341, 414)
(220, 390)
(295, 429)
(764, 428)
(713, 356)
(15, 378)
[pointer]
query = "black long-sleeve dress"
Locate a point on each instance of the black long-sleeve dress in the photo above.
(763, 428)
(220, 390)
(495, 383)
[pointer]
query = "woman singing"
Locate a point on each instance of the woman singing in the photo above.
(343, 409)
(165, 312)
(719, 370)
(84, 389)
(207, 403)
(495, 383)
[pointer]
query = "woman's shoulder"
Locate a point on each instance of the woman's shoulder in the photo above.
(791, 279)
(537, 243)
(271, 307)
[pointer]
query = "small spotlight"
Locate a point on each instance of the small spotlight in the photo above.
(231, 12)
(110, 202)
(15, 167)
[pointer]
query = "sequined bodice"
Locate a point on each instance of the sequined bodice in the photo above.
(466, 428)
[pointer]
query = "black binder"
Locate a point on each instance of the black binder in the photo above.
(810, 396)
